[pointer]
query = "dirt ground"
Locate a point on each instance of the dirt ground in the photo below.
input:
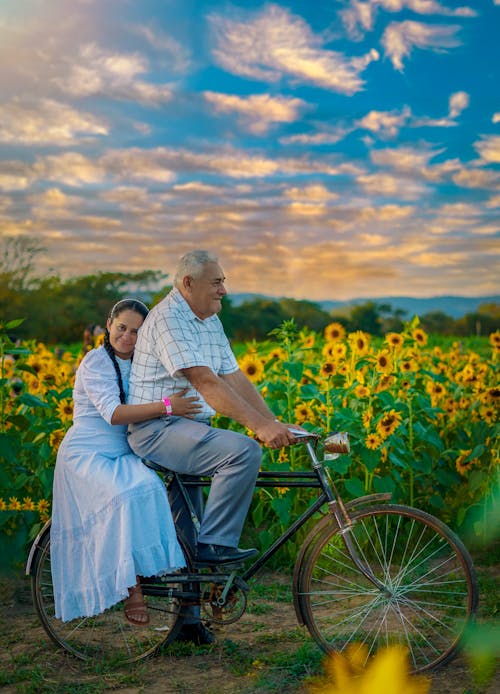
(265, 651)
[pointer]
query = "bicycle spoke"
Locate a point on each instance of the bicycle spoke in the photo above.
(422, 593)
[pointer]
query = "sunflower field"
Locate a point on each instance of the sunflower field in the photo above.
(423, 424)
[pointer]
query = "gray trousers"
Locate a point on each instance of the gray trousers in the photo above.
(195, 448)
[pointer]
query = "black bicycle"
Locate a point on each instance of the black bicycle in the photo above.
(368, 572)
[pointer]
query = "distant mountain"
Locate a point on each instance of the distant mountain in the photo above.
(453, 306)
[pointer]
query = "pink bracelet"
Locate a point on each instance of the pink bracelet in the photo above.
(168, 406)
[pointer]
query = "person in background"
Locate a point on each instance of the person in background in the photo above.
(92, 331)
(182, 345)
(101, 537)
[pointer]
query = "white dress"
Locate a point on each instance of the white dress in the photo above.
(111, 519)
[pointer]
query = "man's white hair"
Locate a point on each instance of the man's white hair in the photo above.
(192, 264)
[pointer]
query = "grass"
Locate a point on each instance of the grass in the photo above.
(265, 652)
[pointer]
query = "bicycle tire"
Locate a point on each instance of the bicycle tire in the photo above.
(106, 637)
(430, 595)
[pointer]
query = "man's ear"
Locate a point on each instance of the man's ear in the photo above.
(186, 282)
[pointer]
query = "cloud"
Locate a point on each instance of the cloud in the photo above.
(385, 123)
(258, 111)
(489, 149)
(274, 44)
(496, 116)
(100, 72)
(317, 193)
(324, 137)
(46, 122)
(15, 175)
(400, 38)
(388, 185)
(176, 55)
(476, 178)
(359, 17)
(70, 168)
(402, 158)
(458, 102)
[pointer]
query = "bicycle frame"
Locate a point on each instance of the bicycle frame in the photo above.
(318, 478)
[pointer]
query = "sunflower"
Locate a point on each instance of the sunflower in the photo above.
(6, 367)
(462, 463)
(28, 504)
(283, 456)
(394, 340)
(361, 391)
(64, 374)
(36, 386)
(252, 367)
(352, 672)
(488, 414)
(14, 504)
(277, 353)
(327, 368)
(334, 331)
(3, 505)
(373, 441)
(436, 390)
(386, 381)
(495, 340)
(35, 363)
(408, 364)
(303, 413)
(359, 342)
(367, 417)
(308, 341)
(282, 490)
(43, 508)
(343, 369)
(492, 395)
(420, 336)
(56, 437)
(65, 410)
(383, 362)
(388, 423)
(339, 351)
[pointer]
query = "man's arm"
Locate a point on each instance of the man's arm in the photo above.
(220, 394)
(245, 388)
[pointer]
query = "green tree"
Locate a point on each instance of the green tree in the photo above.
(438, 323)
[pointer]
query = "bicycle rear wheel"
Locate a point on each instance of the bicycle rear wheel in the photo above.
(429, 589)
(108, 636)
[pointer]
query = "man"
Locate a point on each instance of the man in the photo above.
(182, 345)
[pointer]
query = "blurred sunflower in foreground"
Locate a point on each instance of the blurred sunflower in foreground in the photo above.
(387, 673)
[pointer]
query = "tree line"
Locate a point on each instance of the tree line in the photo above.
(56, 310)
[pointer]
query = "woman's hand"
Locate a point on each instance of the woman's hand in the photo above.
(185, 407)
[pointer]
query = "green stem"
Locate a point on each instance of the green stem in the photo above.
(410, 446)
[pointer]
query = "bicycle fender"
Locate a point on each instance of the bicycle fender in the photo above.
(368, 499)
(29, 563)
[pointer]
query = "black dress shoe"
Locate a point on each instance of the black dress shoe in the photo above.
(206, 555)
(197, 633)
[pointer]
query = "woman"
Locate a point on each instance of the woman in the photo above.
(111, 520)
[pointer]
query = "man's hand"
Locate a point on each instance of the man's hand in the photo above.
(275, 434)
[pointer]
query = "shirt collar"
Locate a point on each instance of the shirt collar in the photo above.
(178, 299)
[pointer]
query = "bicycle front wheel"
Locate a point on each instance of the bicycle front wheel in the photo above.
(107, 637)
(426, 593)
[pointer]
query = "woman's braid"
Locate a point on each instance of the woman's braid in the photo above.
(110, 351)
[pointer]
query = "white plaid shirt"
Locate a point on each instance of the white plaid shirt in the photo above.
(173, 338)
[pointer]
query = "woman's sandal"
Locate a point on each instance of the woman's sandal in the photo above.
(136, 611)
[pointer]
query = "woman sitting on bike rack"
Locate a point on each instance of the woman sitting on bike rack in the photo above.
(101, 539)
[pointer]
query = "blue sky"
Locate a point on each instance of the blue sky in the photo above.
(325, 150)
